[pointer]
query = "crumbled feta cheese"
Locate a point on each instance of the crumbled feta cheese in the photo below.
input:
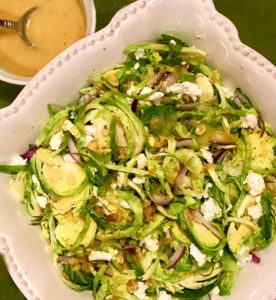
(227, 92)
(35, 180)
(221, 252)
(150, 244)
(164, 296)
(87, 140)
(95, 191)
(42, 201)
(244, 260)
(255, 183)
(68, 158)
(18, 161)
(186, 88)
(214, 293)
(256, 211)
(56, 140)
(215, 290)
(156, 96)
(140, 293)
(100, 255)
(121, 179)
(105, 206)
(244, 250)
(138, 180)
(131, 89)
(104, 202)
(146, 90)
(114, 186)
(136, 66)
(140, 54)
(210, 209)
(90, 130)
(141, 161)
(207, 155)
(124, 204)
(173, 42)
(197, 255)
(183, 63)
(67, 125)
(249, 121)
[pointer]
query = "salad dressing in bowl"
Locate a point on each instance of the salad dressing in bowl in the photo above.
(53, 27)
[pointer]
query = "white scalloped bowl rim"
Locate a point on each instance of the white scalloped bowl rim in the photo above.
(197, 22)
(90, 13)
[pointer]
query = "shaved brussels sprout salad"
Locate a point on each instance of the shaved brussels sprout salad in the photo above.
(158, 183)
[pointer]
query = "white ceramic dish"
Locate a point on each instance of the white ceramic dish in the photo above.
(90, 14)
(197, 22)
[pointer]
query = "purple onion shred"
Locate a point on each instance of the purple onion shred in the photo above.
(255, 258)
(29, 153)
(134, 105)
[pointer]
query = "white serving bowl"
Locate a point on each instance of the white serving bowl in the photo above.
(90, 14)
(197, 22)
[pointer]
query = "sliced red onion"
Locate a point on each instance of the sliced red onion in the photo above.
(73, 150)
(175, 258)
(153, 81)
(186, 142)
(165, 75)
(199, 217)
(161, 199)
(167, 80)
(255, 258)
(220, 156)
(237, 100)
(134, 105)
(29, 154)
(222, 138)
(261, 123)
(129, 248)
(179, 180)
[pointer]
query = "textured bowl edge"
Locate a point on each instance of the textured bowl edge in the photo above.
(116, 22)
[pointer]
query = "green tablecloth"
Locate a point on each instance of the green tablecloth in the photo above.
(256, 22)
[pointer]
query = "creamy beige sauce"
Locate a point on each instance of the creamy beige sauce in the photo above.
(53, 27)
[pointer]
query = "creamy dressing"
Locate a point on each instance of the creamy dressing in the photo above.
(53, 27)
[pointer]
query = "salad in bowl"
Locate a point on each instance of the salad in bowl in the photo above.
(157, 183)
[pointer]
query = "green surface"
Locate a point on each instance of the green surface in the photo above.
(8, 290)
(256, 22)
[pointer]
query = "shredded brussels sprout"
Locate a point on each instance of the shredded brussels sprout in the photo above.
(158, 183)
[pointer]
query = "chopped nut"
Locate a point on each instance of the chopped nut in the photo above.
(86, 268)
(120, 258)
(200, 129)
(149, 212)
(112, 217)
(132, 286)
(160, 142)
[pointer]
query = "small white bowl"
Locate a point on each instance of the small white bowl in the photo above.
(90, 14)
